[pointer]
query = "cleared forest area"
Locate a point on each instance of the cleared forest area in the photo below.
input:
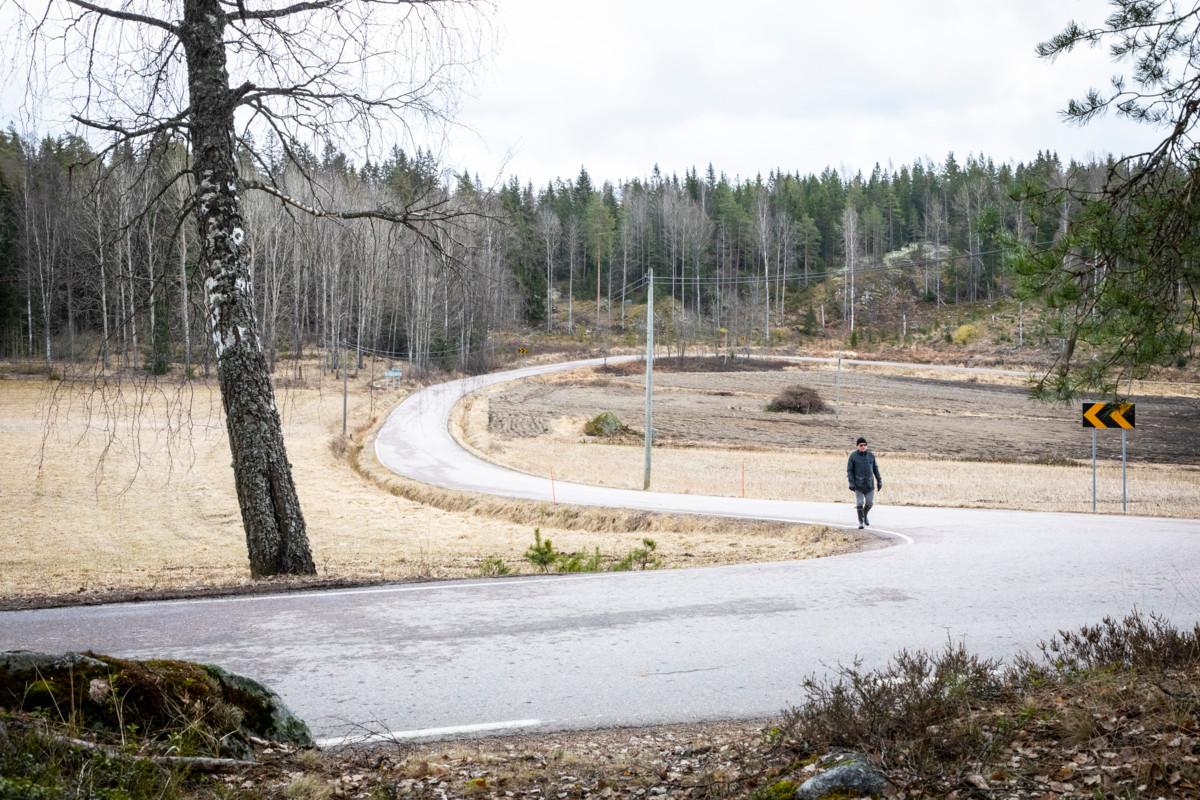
(973, 441)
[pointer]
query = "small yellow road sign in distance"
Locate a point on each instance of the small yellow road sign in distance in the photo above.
(1108, 415)
(524, 351)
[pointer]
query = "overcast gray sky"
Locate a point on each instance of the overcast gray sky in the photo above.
(752, 85)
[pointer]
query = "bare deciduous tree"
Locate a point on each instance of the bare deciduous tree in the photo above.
(850, 243)
(550, 228)
(306, 70)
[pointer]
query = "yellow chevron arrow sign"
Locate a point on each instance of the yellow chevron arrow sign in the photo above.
(1109, 415)
(1118, 416)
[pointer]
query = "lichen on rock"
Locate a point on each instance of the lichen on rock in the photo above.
(851, 776)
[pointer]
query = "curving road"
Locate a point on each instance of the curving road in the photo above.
(470, 657)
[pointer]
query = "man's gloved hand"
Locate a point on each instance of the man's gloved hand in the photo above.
(852, 487)
(879, 486)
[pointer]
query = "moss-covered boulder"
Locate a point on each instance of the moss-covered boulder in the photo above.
(262, 710)
(201, 709)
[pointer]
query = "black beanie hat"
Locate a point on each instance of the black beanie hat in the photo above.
(861, 440)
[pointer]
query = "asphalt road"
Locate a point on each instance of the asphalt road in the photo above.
(565, 652)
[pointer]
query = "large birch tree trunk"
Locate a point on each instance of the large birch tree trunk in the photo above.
(275, 532)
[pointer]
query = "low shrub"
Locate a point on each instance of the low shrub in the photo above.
(644, 557)
(546, 557)
(541, 553)
(604, 424)
(965, 334)
(493, 567)
(798, 400)
(915, 705)
(1135, 642)
(580, 562)
(928, 714)
(42, 764)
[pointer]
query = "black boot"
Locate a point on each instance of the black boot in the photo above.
(862, 517)
(866, 521)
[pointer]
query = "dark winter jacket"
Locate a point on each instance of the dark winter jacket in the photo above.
(860, 468)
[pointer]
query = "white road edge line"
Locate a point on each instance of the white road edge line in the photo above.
(421, 733)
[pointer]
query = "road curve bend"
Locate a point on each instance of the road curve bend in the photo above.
(561, 652)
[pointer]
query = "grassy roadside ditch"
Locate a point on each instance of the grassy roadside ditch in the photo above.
(1107, 711)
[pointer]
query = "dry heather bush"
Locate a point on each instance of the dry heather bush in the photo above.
(798, 400)
(1135, 642)
(908, 713)
(920, 711)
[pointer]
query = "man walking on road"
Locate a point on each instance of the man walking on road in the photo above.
(863, 475)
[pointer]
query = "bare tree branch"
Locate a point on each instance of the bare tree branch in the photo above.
(126, 16)
(278, 13)
(175, 123)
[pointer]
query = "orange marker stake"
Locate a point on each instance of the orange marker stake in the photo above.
(552, 499)
(743, 479)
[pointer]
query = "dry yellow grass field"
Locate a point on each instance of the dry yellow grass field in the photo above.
(130, 487)
(113, 487)
(1154, 489)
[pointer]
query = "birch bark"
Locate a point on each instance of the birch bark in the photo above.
(275, 533)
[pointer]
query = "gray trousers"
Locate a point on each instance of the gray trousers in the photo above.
(864, 500)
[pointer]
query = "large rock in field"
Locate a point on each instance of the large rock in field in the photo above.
(850, 776)
(200, 708)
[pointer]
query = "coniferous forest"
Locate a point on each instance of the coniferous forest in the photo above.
(99, 259)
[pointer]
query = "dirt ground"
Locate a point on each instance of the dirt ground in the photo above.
(962, 440)
(127, 490)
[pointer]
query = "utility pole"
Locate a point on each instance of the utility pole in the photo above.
(345, 377)
(837, 391)
(1124, 484)
(649, 376)
(597, 294)
(345, 388)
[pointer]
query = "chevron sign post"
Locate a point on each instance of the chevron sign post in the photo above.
(1109, 415)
